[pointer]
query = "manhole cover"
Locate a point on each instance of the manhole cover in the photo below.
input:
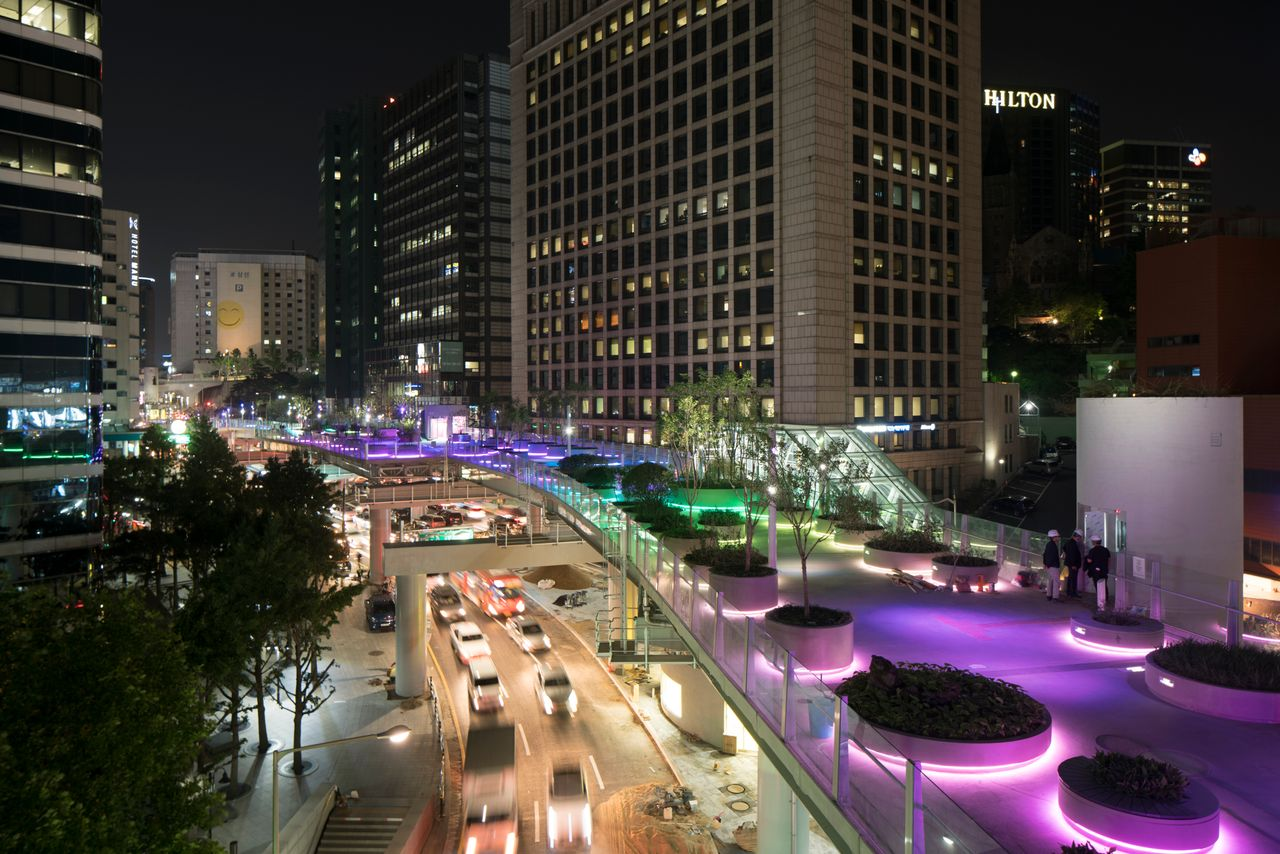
(735, 788)
(739, 806)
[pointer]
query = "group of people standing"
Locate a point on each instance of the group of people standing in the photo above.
(1064, 565)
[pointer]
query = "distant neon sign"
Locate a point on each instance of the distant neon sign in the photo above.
(1197, 157)
(894, 428)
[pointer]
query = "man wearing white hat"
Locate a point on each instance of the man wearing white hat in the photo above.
(1098, 565)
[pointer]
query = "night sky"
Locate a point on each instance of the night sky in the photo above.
(212, 116)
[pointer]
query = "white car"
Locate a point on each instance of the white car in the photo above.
(555, 692)
(484, 686)
(528, 635)
(468, 642)
(568, 807)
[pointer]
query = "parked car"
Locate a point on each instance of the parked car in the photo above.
(452, 517)
(484, 686)
(568, 806)
(528, 635)
(555, 692)
(447, 603)
(434, 520)
(468, 642)
(1041, 466)
(1049, 453)
(380, 612)
(1065, 443)
(1013, 505)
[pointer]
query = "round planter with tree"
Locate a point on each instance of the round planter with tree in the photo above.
(820, 638)
(1117, 630)
(1138, 802)
(915, 707)
(749, 585)
(1240, 683)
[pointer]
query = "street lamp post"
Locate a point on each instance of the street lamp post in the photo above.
(396, 735)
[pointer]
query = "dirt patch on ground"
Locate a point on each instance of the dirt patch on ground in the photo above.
(565, 577)
(627, 828)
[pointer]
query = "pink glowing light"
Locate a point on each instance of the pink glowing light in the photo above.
(1130, 652)
(1130, 846)
(960, 770)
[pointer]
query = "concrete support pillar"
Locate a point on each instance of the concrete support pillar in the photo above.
(411, 635)
(782, 822)
(379, 533)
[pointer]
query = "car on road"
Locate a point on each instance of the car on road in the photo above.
(568, 807)
(1041, 466)
(380, 612)
(528, 634)
(468, 642)
(1013, 505)
(484, 686)
(447, 604)
(1065, 443)
(434, 520)
(1050, 453)
(555, 691)
(452, 517)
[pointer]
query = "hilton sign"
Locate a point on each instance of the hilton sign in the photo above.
(1010, 99)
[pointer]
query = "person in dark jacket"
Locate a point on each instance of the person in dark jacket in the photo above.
(1098, 565)
(1073, 560)
(1052, 566)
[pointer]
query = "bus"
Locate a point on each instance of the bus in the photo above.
(496, 592)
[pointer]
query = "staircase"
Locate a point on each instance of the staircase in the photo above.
(364, 826)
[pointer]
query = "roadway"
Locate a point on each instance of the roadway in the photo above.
(604, 733)
(1054, 496)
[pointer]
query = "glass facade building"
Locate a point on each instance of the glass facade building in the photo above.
(790, 188)
(350, 169)
(445, 238)
(51, 354)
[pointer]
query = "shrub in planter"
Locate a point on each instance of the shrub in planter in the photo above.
(854, 511)
(647, 484)
(819, 615)
(1085, 848)
(906, 540)
(1116, 618)
(599, 477)
(657, 517)
(729, 560)
(719, 518)
(1139, 776)
(1241, 667)
(678, 528)
(952, 559)
(941, 701)
(574, 466)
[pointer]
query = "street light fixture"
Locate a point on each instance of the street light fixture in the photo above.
(398, 734)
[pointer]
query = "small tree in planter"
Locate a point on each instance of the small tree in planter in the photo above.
(856, 512)
(648, 485)
(689, 431)
(802, 481)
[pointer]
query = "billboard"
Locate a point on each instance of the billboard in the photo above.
(239, 308)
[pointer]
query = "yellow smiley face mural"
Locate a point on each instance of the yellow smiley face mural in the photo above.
(230, 314)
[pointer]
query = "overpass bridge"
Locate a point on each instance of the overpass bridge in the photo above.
(816, 756)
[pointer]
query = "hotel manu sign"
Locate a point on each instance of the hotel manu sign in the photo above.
(1012, 99)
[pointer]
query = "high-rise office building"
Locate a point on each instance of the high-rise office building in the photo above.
(350, 170)
(50, 287)
(252, 302)
(121, 320)
(786, 187)
(445, 236)
(1154, 193)
(1041, 167)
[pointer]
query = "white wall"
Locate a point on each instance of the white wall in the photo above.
(1175, 466)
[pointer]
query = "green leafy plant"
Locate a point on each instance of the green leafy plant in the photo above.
(854, 511)
(941, 701)
(599, 477)
(576, 465)
(719, 518)
(1242, 667)
(813, 615)
(646, 484)
(960, 559)
(728, 560)
(680, 529)
(1139, 776)
(907, 540)
(1084, 848)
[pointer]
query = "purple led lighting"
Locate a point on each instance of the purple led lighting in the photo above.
(1131, 652)
(1130, 846)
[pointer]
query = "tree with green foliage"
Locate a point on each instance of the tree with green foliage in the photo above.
(647, 484)
(138, 499)
(209, 497)
(100, 726)
(802, 481)
(689, 432)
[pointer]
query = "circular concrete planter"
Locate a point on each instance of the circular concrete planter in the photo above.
(1148, 634)
(751, 594)
(1234, 704)
(846, 537)
(819, 648)
(1132, 822)
(969, 755)
(905, 561)
(681, 547)
(946, 573)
